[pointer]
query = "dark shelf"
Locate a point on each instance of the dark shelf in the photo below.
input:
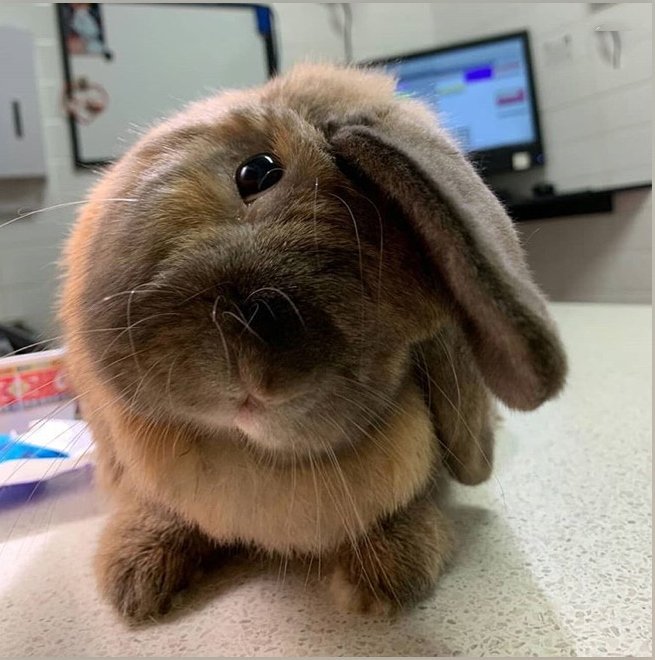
(582, 202)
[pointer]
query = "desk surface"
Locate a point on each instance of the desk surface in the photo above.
(554, 558)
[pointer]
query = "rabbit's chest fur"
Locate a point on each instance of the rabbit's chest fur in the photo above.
(308, 507)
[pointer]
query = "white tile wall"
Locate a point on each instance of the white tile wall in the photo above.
(596, 123)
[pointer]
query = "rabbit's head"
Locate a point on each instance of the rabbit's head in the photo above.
(280, 251)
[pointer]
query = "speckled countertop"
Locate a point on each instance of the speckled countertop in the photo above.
(554, 558)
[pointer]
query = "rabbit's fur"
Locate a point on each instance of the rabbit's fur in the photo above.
(368, 303)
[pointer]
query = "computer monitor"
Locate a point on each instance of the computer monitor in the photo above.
(484, 94)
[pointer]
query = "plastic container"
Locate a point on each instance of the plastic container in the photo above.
(40, 439)
(33, 386)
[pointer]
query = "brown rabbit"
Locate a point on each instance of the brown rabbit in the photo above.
(292, 319)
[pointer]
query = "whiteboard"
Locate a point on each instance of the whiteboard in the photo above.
(162, 57)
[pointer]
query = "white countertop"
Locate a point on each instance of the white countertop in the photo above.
(554, 557)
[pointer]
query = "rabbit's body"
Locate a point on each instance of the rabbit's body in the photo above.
(302, 506)
(290, 365)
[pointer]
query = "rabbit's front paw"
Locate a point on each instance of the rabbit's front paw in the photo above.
(145, 558)
(141, 584)
(396, 564)
(358, 596)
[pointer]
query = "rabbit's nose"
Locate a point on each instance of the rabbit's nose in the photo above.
(271, 318)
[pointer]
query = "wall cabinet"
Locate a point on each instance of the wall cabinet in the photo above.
(21, 139)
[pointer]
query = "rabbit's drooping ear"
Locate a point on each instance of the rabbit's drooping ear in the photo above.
(473, 247)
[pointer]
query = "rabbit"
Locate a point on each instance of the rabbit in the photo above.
(288, 311)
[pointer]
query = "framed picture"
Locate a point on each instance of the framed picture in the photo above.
(128, 65)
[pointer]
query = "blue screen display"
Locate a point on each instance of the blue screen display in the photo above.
(481, 92)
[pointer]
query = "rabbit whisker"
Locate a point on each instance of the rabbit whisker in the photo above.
(226, 349)
(21, 216)
(451, 363)
(468, 429)
(318, 515)
(168, 383)
(242, 320)
(381, 252)
(134, 325)
(347, 519)
(365, 535)
(285, 296)
(357, 237)
(316, 247)
(129, 325)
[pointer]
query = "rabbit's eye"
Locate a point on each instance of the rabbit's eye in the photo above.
(257, 174)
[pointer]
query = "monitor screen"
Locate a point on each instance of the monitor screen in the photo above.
(483, 93)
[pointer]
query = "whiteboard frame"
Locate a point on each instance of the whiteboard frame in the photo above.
(266, 32)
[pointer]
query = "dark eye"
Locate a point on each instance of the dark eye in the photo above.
(257, 174)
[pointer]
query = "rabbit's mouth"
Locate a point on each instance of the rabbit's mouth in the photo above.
(249, 414)
(254, 405)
